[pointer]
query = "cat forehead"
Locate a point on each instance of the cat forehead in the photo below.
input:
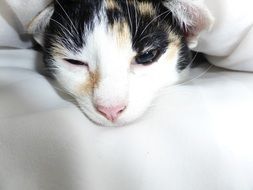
(146, 23)
(144, 6)
(130, 11)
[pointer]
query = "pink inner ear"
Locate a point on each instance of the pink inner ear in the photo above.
(201, 21)
(193, 17)
(186, 35)
(186, 32)
(198, 22)
(189, 32)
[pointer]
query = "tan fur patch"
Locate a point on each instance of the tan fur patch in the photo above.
(112, 4)
(174, 38)
(91, 83)
(173, 49)
(146, 8)
(58, 50)
(174, 46)
(122, 31)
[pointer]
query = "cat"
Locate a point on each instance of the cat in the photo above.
(113, 56)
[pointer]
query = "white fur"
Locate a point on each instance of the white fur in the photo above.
(121, 82)
(39, 23)
(193, 16)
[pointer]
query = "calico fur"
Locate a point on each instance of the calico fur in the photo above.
(107, 36)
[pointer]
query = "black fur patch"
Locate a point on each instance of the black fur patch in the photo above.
(72, 17)
(67, 25)
(150, 30)
(69, 20)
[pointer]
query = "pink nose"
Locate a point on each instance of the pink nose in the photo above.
(111, 113)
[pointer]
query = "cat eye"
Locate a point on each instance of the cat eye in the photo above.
(147, 57)
(76, 62)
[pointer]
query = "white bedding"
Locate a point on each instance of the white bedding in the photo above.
(228, 45)
(196, 136)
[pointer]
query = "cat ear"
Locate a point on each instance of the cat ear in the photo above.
(193, 18)
(38, 25)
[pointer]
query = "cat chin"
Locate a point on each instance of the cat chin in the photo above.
(108, 56)
(102, 122)
(125, 119)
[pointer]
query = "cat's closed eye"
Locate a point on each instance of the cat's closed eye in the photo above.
(76, 62)
(103, 41)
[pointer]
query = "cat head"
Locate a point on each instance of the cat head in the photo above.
(112, 56)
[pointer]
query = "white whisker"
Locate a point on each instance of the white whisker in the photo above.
(166, 12)
(67, 16)
(63, 27)
(188, 81)
(129, 15)
(136, 19)
(153, 20)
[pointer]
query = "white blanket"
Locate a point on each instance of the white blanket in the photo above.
(196, 136)
(229, 44)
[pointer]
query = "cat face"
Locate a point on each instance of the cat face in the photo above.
(113, 56)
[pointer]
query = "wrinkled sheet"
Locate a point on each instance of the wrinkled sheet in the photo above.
(229, 44)
(195, 136)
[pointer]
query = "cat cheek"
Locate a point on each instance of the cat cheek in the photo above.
(91, 83)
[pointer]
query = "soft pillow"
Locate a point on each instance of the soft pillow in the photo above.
(15, 16)
(230, 43)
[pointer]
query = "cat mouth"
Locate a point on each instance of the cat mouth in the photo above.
(124, 120)
(100, 120)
